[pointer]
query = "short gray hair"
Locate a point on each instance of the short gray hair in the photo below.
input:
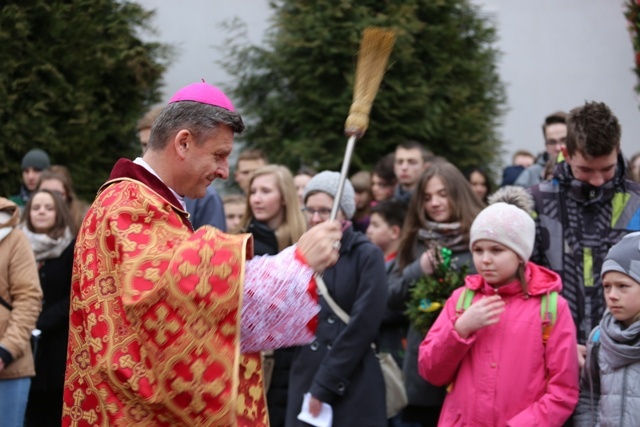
(202, 120)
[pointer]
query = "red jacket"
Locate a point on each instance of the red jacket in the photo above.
(503, 375)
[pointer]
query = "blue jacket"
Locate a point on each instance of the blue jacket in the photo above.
(207, 210)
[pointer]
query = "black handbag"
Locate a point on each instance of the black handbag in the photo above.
(35, 334)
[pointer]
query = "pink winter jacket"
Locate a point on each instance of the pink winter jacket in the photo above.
(503, 375)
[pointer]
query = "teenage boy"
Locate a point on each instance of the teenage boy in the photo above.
(584, 210)
(554, 131)
(411, 159)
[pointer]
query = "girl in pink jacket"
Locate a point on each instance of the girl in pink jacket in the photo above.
(493, 355)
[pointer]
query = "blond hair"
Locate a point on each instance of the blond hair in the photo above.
(293, 223)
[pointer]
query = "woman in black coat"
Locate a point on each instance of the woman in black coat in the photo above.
(340, 368)
(49, 232)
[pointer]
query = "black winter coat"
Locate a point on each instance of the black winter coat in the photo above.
(51, 356)
(420, 392)
(340, 367)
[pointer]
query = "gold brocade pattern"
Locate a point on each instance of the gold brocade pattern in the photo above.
(155, 320)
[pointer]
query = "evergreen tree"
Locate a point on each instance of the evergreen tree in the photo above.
(442, 87)
(75, 79)
(632, 13)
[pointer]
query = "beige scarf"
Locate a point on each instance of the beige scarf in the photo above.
(45, 247)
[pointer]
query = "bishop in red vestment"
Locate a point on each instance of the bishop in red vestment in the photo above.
(166, 323)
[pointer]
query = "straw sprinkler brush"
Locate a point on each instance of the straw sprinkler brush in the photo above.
(375, 47)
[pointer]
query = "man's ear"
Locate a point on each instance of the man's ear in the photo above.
(395, 232)
(183, 142)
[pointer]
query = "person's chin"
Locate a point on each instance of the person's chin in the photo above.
(196, 193)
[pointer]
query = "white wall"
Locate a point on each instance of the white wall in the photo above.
(194, 28)
(556, 55)
(559, 53)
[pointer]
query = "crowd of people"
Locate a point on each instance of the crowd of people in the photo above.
(182, 307)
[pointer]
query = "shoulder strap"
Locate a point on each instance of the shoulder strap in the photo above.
(5, 304)
(548, 314)
(464, 300)
(327, 297)
(549, 307)
(322, 287)
(593, 370)
(595, 348)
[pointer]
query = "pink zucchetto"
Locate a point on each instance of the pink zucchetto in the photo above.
(204, 93)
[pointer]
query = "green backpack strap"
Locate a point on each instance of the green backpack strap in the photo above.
(548, 314)
(464, 300)
(548, 309)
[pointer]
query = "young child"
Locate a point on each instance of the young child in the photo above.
(234, 206)
(385, 227)
(501, 371)
(609, 385)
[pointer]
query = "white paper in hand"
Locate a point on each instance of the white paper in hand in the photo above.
(324, 418)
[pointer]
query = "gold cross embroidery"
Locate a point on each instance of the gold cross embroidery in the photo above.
(162, 325)
(198, 386)
(76, 413)
(138, 371)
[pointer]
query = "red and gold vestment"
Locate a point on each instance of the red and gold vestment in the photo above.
(160, 314)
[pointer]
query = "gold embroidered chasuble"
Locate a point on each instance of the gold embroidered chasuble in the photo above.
(155, 319)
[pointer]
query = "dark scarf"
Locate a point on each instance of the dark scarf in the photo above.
(264, 239)
(448, 235)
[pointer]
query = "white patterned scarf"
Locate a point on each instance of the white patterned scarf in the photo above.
(45, 247)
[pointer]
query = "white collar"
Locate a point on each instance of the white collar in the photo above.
(140, 161)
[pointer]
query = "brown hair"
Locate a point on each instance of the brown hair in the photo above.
(593, 130)
(233, 198)
(306, 170)
(552, 119)
(384, 169)
(427, 156)
(63, 217)
(361, 181)
(522, 153)
(77, 208)
(252, 154)
(463, 202)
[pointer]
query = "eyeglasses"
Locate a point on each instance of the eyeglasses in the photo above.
(556, 142)
(323, 213)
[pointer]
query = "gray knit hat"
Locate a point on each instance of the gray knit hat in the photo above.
(36, 159)
(624, 257)
(327, 182)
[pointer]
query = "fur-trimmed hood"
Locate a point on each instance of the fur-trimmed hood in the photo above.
(9, 216)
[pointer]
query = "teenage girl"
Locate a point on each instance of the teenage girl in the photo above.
(493, 353)
(47, 223)
(440, 214)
